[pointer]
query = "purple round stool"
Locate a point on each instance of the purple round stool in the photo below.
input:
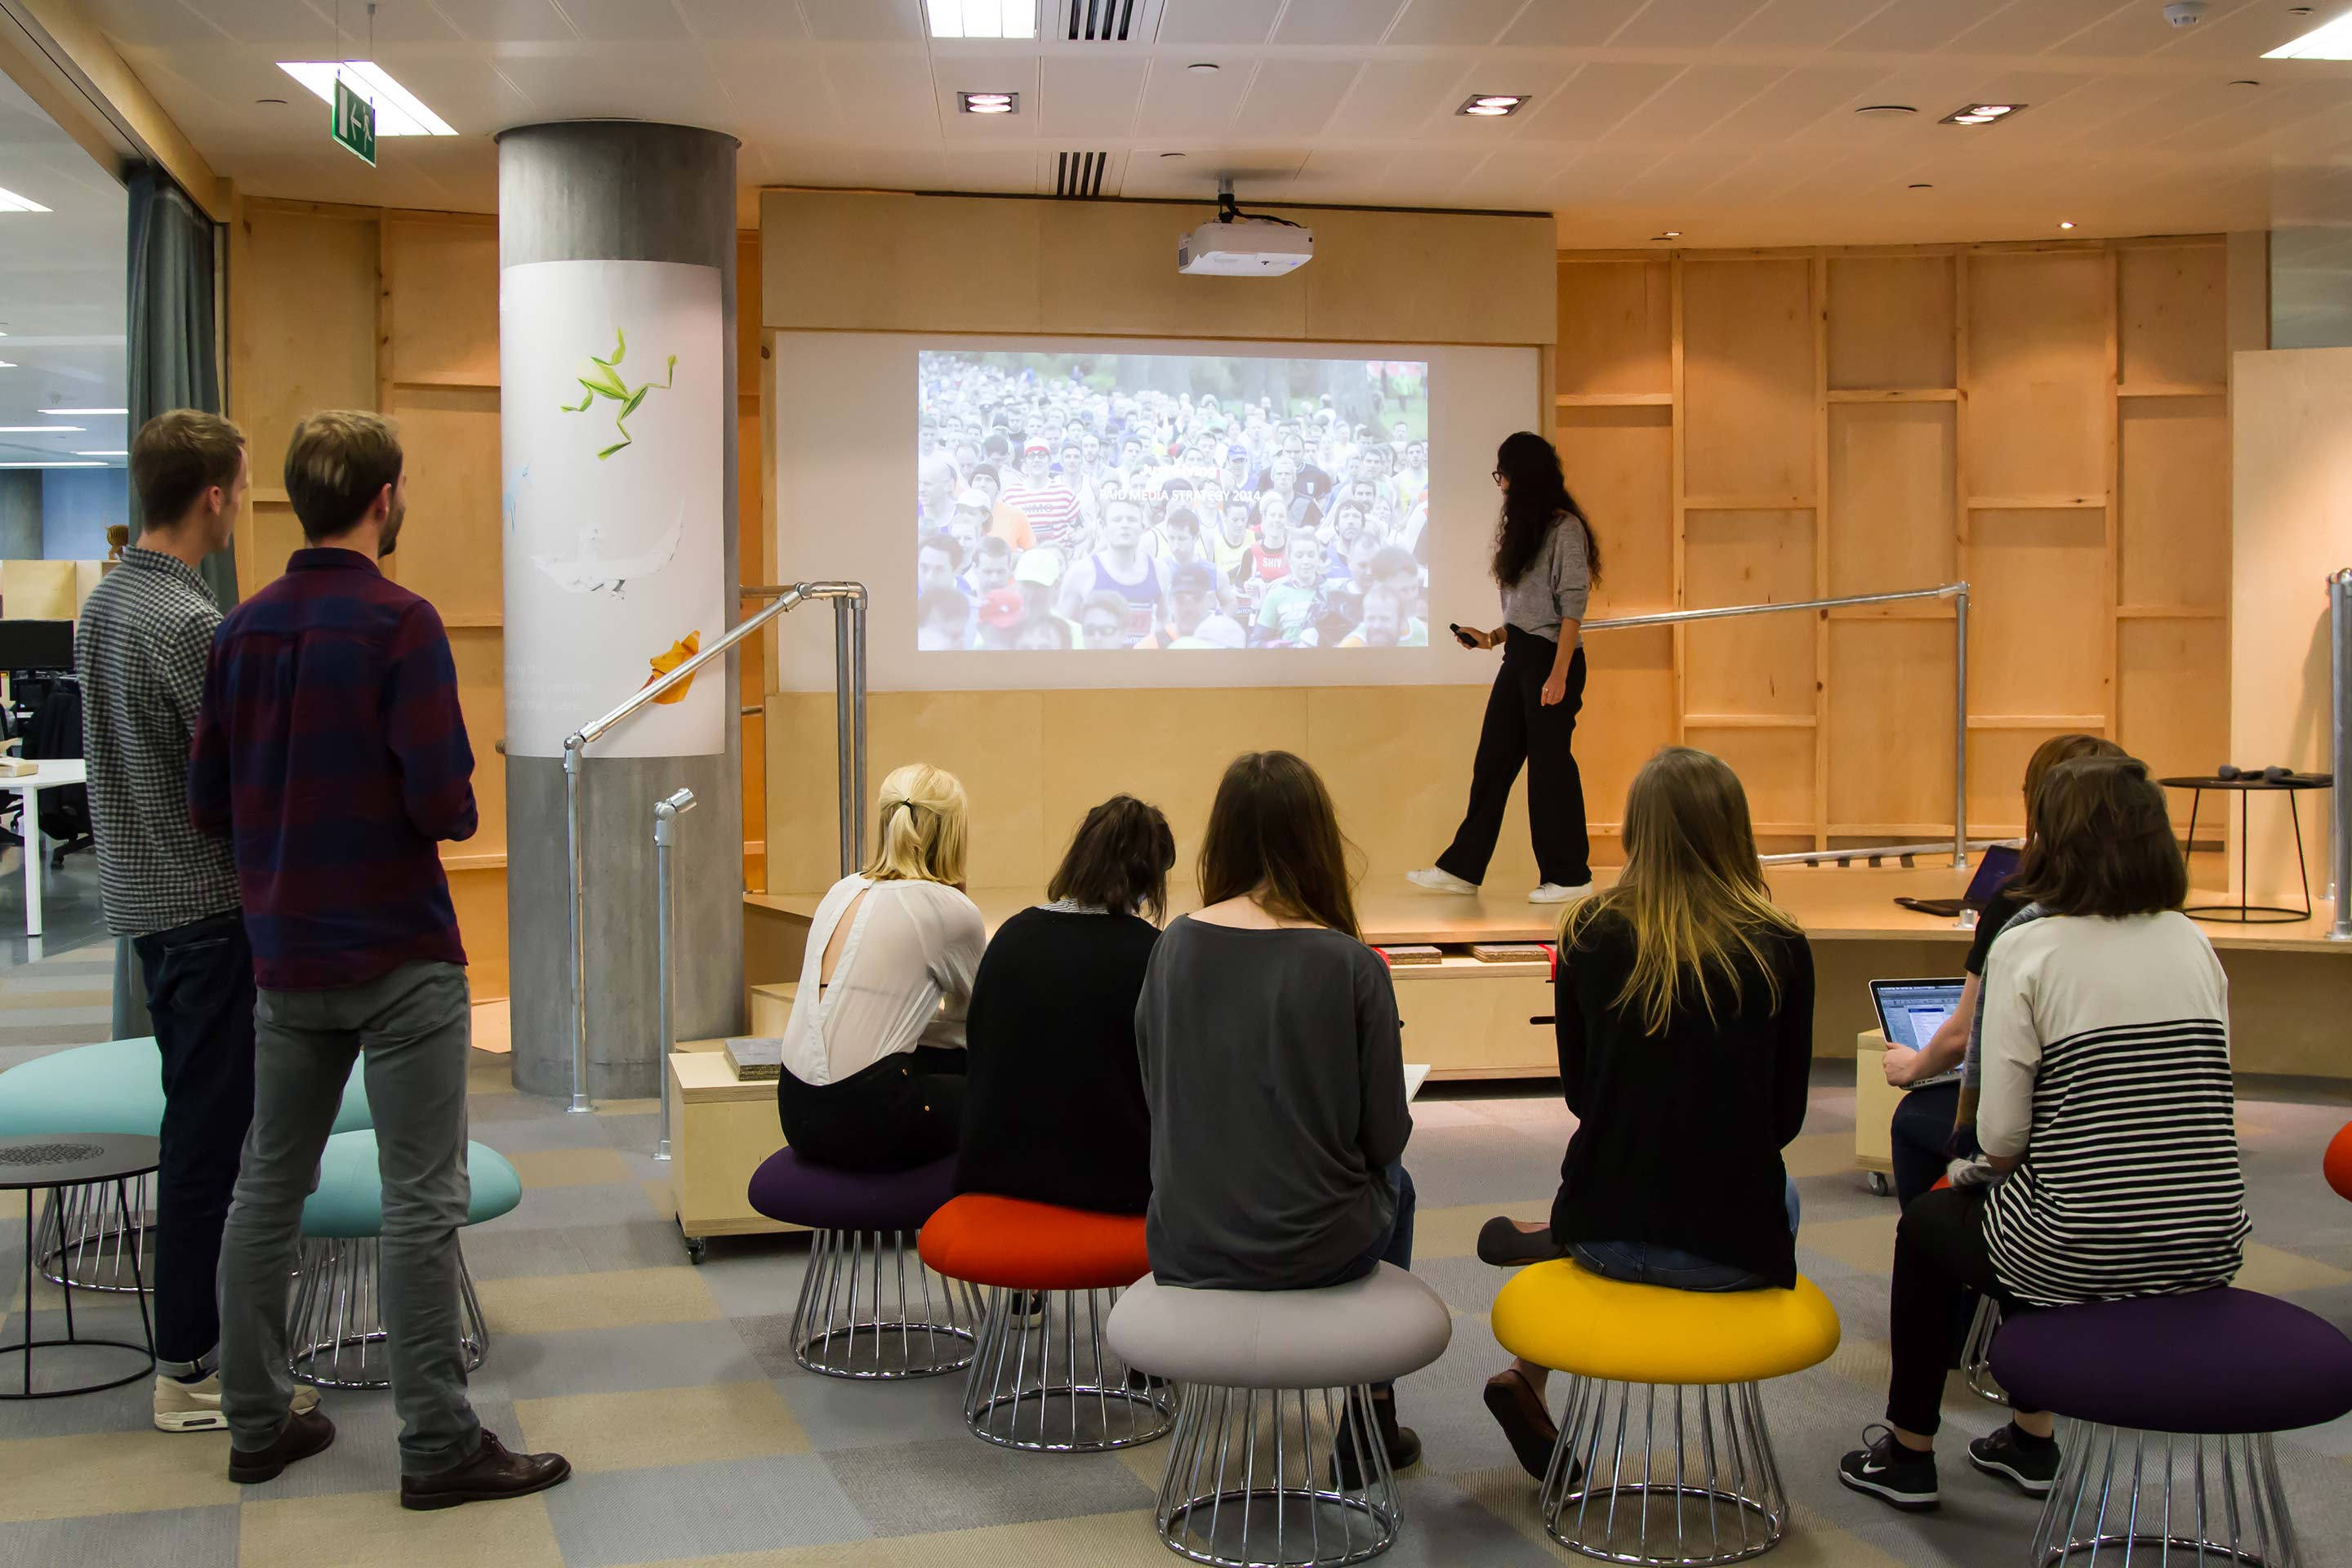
(2172, 1401)
(859, 1315)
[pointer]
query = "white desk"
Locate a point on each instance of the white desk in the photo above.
(49, 777)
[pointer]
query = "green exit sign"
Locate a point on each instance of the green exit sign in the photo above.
(355, 123)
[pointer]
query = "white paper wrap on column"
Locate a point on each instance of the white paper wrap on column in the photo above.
(614, 417)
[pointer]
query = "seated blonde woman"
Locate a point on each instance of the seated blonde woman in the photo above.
(873, 1071)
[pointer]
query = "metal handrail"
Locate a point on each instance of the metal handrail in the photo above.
(849, 601)
(1958, 594)
(2339, 858)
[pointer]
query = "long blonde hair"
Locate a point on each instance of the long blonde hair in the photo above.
(919, 833)
(1691, 891)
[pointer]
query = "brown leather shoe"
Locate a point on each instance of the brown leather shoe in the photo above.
(491, 1474)
(306, 1433)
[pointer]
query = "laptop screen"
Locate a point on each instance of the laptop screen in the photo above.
(1911, 1011)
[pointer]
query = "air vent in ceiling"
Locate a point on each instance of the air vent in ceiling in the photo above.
(1079, 173)
(1106, 21)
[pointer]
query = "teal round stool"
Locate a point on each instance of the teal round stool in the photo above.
(113, 1086)
(335, 1335)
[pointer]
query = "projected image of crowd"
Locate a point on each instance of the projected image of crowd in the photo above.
(1127, 500)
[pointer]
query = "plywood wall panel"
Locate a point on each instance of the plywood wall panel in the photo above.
(1619, 463)
(1748, 379)
(307, 338)
(1774, 767)
(2174, 541)
(1890, 321)
(1751, 664)
(2037, 639)
(1629, 714)
(2175, 712)
(2038, 382)
(451, 547)
(482, 697)
(1893, 472)
(1616, 327)
(443, 316)
(1397, 760)
(1890, 751)
(1997, 760)
(2173, 315)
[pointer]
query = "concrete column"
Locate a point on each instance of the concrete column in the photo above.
(20, 515)
(624, 191)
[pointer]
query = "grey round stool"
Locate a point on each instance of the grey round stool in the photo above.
(1274, 1384)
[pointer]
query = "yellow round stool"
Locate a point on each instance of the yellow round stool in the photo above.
(1664, 1457)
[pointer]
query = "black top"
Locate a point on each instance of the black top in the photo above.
(1678, 1137)
(1276, 1073)
(1995, 915)
(1054, 1109)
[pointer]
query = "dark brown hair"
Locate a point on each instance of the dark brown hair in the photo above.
(2102, 842)
(1119, 860)
(336, 463)
(1536, 502)
(177, 456)
(1273, 837)
(2061, 749)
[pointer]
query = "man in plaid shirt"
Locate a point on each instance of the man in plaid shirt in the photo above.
(332, 753)
(141, 650)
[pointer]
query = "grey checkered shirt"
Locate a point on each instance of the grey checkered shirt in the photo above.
(145, 637)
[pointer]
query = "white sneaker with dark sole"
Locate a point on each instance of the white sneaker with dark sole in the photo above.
(1438, 881)
(1554, 893)
(196, 1406)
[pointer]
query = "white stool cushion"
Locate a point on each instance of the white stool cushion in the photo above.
(1368, 1331)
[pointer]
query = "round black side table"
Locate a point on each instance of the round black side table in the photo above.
(59, 1162)
(2247, 787)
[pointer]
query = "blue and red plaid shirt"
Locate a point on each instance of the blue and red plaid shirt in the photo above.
(332, 753)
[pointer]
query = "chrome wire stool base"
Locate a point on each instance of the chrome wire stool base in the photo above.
(1665, 1474)
(83, 1239)
(1976, 1352)
(861, 1316)
(1042, 1379)
(2123, 1497)
(1253, 1479)
(335, 1333)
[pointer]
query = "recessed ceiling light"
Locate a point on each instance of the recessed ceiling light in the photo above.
(988, 102)
(1492, 105)
(52, 465)
(981, 18)
(1203, 65)
(398, 111)
(2066, 223)
(2329, 41)
(1890, 109)
(40, 429)
(1981, 113)
(10, 201)
(7, 364)
(71, 411)
(124, 454)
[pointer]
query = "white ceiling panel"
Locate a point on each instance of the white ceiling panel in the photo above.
(1216, 21)
(1683, 173)
(1803, 98)
(1293, 97)
(151, 21)
(397, 21)
(1089, 96)
(1007, 172)
(1694, 100)
(623, 21)
(863, 21)
(779, 97)
(671, 82)
(2030, 26)
(1595, 99)
(1913, 25)
(1392, 96)
(1180, 105)
(509, 21)
(1684, 24)
(731, 20)
(1506, 177)
(1334, 21)
(1802, 23)
(885, 96)
(1570, 23)
(2130, 32)
(2247, 32)
(1425, 179)
(1471, 22)
(467, 90)
(258, 21)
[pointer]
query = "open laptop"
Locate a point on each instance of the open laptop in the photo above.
(1996, 866)
(1911, 1011)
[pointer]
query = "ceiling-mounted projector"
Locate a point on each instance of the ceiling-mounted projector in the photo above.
(1234, 244)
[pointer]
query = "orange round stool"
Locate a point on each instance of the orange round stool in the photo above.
(2336, 1163)
(1042, 1378)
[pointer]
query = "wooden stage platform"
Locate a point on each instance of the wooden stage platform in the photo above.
(2291, 988)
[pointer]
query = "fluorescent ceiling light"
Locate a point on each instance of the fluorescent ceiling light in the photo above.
(40, 429)
(52, 465)
(85, 411)
(1492, 105)
(2332, 41)
(7, 364)
(123, 454)
(10, 201)
(398, 111)
(982, 19)
(988, 102)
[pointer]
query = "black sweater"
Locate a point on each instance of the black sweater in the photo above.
(1054, 1109)
(1679, 1136)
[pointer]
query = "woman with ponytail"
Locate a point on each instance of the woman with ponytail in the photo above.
(873, 1071)
(1546, 561)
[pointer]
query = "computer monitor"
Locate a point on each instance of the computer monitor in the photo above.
(36, 646)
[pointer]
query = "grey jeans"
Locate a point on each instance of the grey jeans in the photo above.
(411, 1029)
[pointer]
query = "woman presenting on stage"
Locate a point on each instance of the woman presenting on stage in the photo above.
(1546, 561)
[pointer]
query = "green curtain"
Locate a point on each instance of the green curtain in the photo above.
(172, 348)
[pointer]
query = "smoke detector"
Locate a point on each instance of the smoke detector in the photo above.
(2184, 13)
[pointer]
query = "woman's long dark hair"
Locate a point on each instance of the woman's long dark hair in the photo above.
(1533, 505)
(1119, 860)
(1274, 836)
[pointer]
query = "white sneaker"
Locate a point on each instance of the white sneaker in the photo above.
(196, 1406)
(1438, 881)
(1553, 893)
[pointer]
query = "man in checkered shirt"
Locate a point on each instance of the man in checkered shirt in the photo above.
(141, 650)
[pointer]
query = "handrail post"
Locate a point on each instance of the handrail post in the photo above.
(666, 814)
(1960, 727)
(846, 782)
(573, 744)
(2339, 615)
(857, 787)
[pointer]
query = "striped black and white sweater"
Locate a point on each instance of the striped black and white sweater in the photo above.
(2107, 1065)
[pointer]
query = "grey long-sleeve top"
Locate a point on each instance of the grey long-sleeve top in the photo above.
(1555, 585)
(1275, 1069)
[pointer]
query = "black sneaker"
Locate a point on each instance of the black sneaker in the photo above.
(1402, 1443)
(2029, 1464)
(1896, 1476)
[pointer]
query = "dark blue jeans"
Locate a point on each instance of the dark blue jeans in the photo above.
(1640, 1263)
(1393, 1245)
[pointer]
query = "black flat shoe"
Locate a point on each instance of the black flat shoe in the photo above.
(1502, 1244)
